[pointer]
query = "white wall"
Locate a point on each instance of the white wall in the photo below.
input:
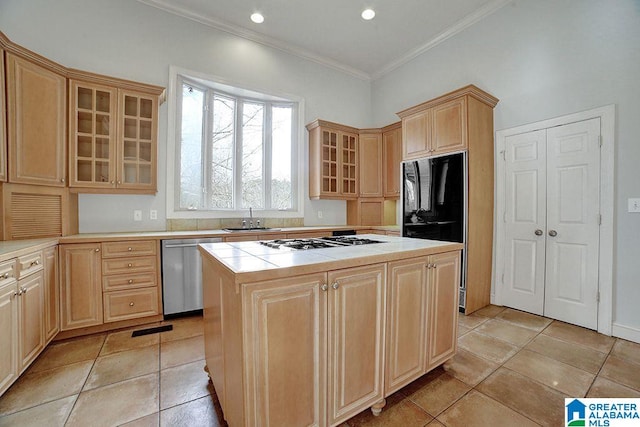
(127, 39)
(543, 59)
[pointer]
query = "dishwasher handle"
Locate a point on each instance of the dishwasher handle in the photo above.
(187, 245)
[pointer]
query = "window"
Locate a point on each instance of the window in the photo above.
(236, 149)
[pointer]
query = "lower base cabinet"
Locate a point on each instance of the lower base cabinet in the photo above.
(105, 282)
(26, 324)
(310, 350)
(422, 316)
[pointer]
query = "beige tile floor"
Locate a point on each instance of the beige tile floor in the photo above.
(512, 368)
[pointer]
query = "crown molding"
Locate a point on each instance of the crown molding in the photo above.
(256, 37)
(295, 50)
(456, 28)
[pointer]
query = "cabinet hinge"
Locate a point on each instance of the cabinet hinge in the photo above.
(600, 140)
(599, 219)
(504, 155)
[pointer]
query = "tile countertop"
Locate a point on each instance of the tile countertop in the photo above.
(251, 261)
(195, 234)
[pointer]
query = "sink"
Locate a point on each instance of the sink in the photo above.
(241, 229)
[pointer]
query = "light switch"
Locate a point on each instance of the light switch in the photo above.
(137, 215)
(153, 214)
(634, 205)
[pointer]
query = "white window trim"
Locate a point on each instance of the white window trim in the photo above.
(173, 137)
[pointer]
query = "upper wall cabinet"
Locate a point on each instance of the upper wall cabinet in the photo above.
(112, 137)
(441, 125)
(392, 157)
(370, 163)
(36, 120)
(333, 165)
(3, 123)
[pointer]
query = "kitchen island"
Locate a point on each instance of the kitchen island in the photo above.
(313, 337)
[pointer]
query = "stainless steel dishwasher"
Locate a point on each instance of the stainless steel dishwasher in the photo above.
(182, 275)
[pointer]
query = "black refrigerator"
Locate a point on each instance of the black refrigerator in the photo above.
(434, 201)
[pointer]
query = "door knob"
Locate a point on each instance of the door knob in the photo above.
(538, 232)
(553, 233)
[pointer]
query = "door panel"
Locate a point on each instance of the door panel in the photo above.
(525, 214)
(572, 241)
(356, 336)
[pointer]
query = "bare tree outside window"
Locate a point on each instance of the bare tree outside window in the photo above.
(235, 152)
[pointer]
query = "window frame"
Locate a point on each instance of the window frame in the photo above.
(233, 89)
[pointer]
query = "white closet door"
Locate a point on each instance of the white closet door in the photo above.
(525, 218)
(572, 240)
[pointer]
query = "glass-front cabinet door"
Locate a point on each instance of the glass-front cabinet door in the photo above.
(137, 141)
(92, 132)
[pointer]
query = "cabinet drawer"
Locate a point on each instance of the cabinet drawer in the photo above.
(132, 248)
(130, 304)
(28, 264)
(129, 281)
(7, 272)
(129, 265)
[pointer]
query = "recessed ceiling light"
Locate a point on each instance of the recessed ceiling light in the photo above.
(257, 18)
(368, 14)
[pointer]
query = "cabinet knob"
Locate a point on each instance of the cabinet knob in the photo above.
(97, 249)
(129, 249)
(131, 304)
(324, 287)
(15, 294)
(36, 262)
(5, 276)
(119, 182)
(113, 182)
(62, 180)
(553, 233)
(23, 290)
(129, 265)
(538, 232)
(335, 285)
(130, 281)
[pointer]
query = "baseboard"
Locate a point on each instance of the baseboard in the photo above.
(626, 332)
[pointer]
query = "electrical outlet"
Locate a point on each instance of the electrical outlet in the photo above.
(137, 215)
(634, 205)
(153, 214)
(319, 214)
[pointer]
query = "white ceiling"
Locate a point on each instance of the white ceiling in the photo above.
(333, 33)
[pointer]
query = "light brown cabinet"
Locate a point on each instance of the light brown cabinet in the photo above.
(36, 121)
(81, 287)
(333, 164)
(370, 163)
(109, 282)
(444, 282)
(8, 325)
(422, 310)
(327, 329)
(392, 158)
(31, 317)
(23, 313)
(462, 120)
(357, 299)
(436, 130)
(112, 138)
(130, 280)
(51, 293)
(3, 124)
(365, 211)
